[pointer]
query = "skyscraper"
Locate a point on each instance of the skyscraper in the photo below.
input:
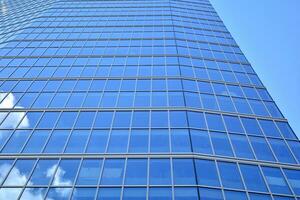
(135, 99)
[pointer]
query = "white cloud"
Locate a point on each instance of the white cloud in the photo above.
(16, 178)
(58, 180)
(13, 118)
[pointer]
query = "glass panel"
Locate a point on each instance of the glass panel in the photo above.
(253, 178)
(221, 144)
(207, 173)
(293, 177)
(180, 140)
(139, 141)
(136, 172)
(186, 194)
(184, 172)
(210, 194)
(42, 174)
(89, 172)
(109, 194)
(65, 173)
(134, 194)
(160, 173)
(276, 181)
(230, 175)
(160, 193)
(113, 172)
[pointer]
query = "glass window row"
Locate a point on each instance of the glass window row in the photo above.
(149, 141)
(154, 171)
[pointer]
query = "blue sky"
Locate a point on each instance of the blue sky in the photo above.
(268, 32)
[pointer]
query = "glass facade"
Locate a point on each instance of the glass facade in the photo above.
(135, 100)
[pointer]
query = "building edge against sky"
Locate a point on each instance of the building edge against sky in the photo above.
(136, 99)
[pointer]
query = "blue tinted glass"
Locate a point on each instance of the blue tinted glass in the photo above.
(16, 141)
(233, 124)
(136, 172)
(159, 140)
(293, 177)
(286, 130)
(253, 178)
(215, 122)
(241, 146)
(160, 193)
(178, 119)
(180, 140)
(251, 126)
(186, 194)
(230, 175)
(59, 193)
(85, 120)
(41, 175)
(259, 197)
(113, 172)
(183, 172)
(109, 194)
(281, 151)
(19, 173)
(36, 142)
(201, 142)
(276, 181)
(57, 141)
(103, 119)
(269, 128)
(261, 149)
(89, 172)
(207, 173)
(122, 119)
(66, 120)
(159, 119)
(48, 120)
(118, 141)
(235, 195)
(77, 141)
(210, 194)
(196, 120)
(98, 141)
(134, 194)
(64, 174)
(295, 147)
(160, 173)
(140, 119)
(84, 193)
(138, 141)
(221, 144)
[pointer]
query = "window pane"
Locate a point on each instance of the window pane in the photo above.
(293, 177)
(215, 122)
(183, 172)
(41, 175)
(134, 194)
(57, 141)
(201, 142)
(186, 194)
(89, 172)
(139, 141)
(160, 173)
(276, 181)
(210, 194)
(251, 126)
(118, 141)
(230, 175)
(233, 124)
(98, 141)
(207, 173)
(180, 140)
(235, 195)
(281, 151)
(136, 172)
(65, 172)
(160, 193)
(261, 149)
(241, 146)
(109, 194)
(159, 140)
(84, 193)
(221, 144)
(253, 178)
(113, 172)
(196, 120)
(77, 141)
